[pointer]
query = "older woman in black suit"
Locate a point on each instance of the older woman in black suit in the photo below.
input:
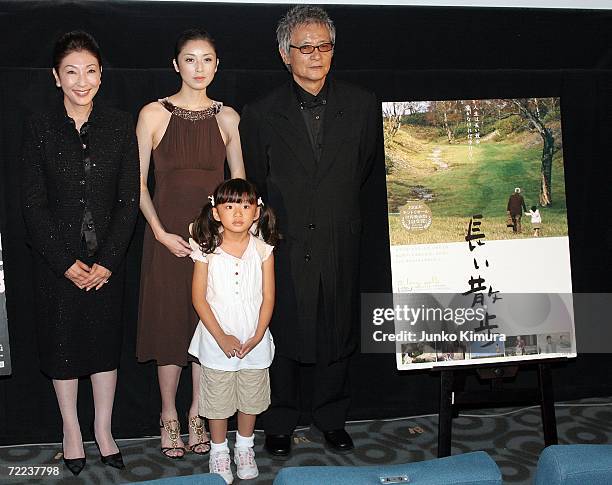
(80, 196)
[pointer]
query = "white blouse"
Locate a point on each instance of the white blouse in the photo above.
(234, 293)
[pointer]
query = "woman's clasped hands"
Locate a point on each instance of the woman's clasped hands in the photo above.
(85, 277)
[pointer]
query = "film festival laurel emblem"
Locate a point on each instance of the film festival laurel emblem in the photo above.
(415, 216)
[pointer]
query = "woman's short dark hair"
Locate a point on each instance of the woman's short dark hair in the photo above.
(75, 41)
(192, 34)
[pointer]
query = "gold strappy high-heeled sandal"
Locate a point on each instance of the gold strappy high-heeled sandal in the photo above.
(198, 429)
(173, 428)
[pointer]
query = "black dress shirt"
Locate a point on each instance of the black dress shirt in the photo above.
(313, 111)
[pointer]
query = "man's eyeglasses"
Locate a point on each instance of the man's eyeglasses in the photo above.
(309, 49)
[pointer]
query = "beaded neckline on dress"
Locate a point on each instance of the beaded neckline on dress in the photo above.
(192, 115)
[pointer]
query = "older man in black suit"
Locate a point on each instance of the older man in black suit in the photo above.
(309, 145)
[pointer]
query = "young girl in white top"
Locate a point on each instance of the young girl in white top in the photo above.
(233, 293)
(536, 220)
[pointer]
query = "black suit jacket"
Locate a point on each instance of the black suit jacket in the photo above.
(317, 206)
(54, 192)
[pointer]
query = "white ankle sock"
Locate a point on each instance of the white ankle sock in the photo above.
(244, 442)
(219, 447)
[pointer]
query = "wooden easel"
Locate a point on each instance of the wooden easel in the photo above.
(453, 396)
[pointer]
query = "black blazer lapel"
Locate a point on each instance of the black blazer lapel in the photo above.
(288, 122)
(335, 128)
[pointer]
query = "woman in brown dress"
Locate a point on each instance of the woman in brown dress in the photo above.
(189, 136)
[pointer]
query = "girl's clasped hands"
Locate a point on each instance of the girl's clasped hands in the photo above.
(232, 347)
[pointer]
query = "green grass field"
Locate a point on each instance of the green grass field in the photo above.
(480, 184)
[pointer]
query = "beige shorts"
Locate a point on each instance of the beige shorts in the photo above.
(222, 393)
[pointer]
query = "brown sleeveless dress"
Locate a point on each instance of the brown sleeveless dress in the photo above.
(188, 163)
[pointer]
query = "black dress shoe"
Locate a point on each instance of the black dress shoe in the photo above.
(278, 444)
(75, 465)
(339, 440)
(115, 460)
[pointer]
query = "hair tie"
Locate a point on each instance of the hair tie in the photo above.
(212, 200)
(260, 202)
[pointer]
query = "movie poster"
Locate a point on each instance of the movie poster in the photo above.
(477, 220)
(5, 355)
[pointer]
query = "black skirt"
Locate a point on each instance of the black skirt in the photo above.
(79, 332)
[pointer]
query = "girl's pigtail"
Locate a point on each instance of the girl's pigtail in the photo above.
(205, 230)
(266, 225)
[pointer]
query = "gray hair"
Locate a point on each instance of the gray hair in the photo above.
(301, 15)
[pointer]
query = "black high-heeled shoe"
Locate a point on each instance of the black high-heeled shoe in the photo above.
(75, 465)
(115, 459)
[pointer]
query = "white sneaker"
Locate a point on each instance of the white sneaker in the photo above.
(219, 463)
(245, 463)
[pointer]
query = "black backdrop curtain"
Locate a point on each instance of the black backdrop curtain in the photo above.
(401, 53)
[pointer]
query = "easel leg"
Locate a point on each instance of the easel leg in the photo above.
(445, 417)
(547, 404)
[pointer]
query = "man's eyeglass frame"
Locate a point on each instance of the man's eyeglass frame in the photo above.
(309, 49)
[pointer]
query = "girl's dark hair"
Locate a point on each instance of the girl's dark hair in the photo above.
(205, 230)
(192, 34)
(534, 208)
(75, 41)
